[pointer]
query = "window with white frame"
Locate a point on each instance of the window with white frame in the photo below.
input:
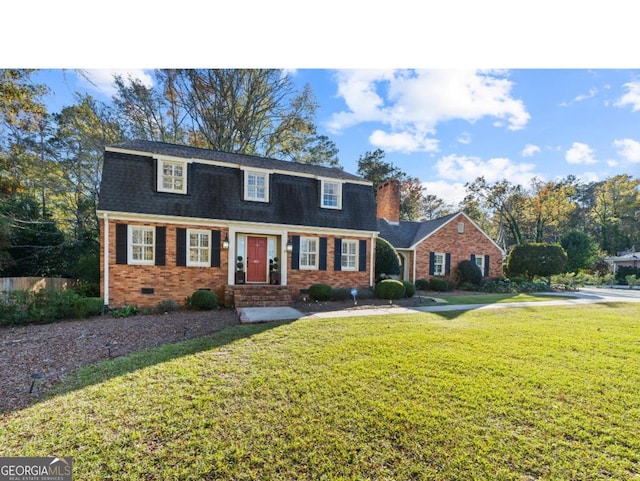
(256, 186)
(349, 260)
(308, 253)
(480, 262)
(438, 264)
(141, 245)
(172, 176)
(331, 194)
(198, 248)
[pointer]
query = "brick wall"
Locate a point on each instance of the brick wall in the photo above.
(303, 278)
(388, 201)
(169, 282)
(460, 246)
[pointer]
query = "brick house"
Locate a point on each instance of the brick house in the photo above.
(434, 247)
(256, 231)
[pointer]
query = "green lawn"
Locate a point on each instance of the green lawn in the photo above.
(523, 394)
(491, 298)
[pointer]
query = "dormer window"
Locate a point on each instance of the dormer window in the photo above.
(331, 194)
(256, 186)
(172, 176)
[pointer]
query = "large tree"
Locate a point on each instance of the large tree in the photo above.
(374, 168)
(248, 111)
(505, 202)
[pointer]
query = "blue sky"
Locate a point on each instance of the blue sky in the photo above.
(448, 126)
(449, 90)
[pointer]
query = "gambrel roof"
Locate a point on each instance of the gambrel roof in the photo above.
(215, 183)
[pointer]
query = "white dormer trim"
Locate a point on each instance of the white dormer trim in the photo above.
(323, 182)
(181, 187)
(246, 172)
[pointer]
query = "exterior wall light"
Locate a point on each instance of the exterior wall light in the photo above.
(225, 242)
(289, 245)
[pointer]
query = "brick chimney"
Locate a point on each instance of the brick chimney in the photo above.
(388, 201)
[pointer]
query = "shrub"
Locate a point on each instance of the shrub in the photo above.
(125, 311)
(439, 285)
(468, 272)
(87, 289)
(166, 306)
(422, 284)
(390, 289)
(409, 289)
(88, 307)
(320, 292)
(387, 259)
(341, 294)
(203, 300)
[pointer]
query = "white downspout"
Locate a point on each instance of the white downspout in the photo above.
(372, 260)
(106, 261)
(415, 257)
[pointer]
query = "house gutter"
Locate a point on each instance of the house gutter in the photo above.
(106, 261)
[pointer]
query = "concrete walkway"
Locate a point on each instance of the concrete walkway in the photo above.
(249, 315)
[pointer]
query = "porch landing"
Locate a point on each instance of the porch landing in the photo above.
(257, 295)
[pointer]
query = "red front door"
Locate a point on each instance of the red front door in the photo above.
(256, 259)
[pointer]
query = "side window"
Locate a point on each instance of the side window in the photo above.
(199, 248)
(141, 245)
(308, 253)
(438, 264)
(349, 261)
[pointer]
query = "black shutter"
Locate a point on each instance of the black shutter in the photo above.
(447, 264)
(154, 180)
(473, 257)
(362, 254)
(432, 260)
(322, 262)
(161, 245)
(215, 248)
(181, 247)
(121, 243)
(337, 255)
(295, 253)
(486, 266)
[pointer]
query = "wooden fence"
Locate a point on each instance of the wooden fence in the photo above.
(35, 283)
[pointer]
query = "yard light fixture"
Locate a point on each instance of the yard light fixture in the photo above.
(225, 242)
(289, 245)
(109, 345)
(35, 376)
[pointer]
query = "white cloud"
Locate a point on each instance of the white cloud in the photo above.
(632, 97)
(592, 92)
(418, 100)
(451, 192)
(580, 153)
(467, 169)
(629, 149)
(101, 80)
(529, 150)
(406, 142)
(464, 138)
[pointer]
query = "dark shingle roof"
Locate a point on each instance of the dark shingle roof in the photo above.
(215, 191)
(405, 234)
(187, 152)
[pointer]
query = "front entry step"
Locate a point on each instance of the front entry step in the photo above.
(257, 295)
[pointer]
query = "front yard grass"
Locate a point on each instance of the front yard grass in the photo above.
(492, 298)
(524, 394)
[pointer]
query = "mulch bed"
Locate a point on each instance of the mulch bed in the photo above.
(55, 350)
